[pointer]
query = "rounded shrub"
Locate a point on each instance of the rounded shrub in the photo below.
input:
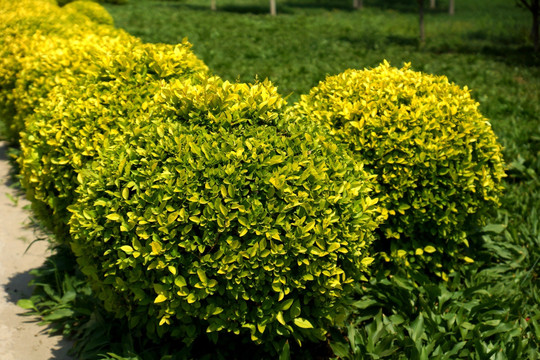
(437, 161)
(84, 111)
(214, 221)
(90, 9)
(39, 42)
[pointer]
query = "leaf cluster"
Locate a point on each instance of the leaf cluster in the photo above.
(199, 207)
(438, 164)
(245, 229)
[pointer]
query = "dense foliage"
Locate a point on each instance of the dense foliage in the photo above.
(294, 203)
(201, 230)
(437, 161)
(101, 142)
(92, 10)
(71, 91)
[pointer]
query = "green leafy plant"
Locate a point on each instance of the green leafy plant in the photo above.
(491, 304)
(437, 161)
(237, 226)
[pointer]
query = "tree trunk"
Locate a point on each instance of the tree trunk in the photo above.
(273, 7)
(535, 9)
(213, 5)
(358, 4)
(421, 21)
(432, 4)
(451, 7)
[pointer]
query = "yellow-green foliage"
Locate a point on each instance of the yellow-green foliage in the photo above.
(33, 38)
(69, 84)
(67, 2)
(199, 205)
(215, 220)
(436, 159)
(92, 10)
(214, 103)
(88, 111)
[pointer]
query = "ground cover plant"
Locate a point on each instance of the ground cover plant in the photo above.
(486, 309)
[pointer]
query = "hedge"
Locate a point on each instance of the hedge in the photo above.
(195, 205)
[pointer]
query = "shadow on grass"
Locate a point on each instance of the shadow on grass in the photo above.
(509, 51)
(263, 7)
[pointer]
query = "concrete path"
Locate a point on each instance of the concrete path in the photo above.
(20, 336)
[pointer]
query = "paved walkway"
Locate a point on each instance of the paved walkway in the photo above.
(20, 336)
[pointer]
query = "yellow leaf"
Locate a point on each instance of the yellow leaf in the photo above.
(430, 249)
(202, 276)
(114, 217)
(367, 260)
(303, 323)
(127, 249)
(160, 298)
(156, 247)
(164, 320)
(279, 318)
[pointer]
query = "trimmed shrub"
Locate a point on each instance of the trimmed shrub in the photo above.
(69, 84)
(38, 44)
(214, 221)
(90, 9)
(90, 110)
(437, 162)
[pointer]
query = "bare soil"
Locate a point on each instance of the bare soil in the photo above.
(21, 338)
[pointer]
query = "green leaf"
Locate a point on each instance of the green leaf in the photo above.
(26, 304)
(59, 314)
(295, 309)
(285, 352)
(180, 281)
(417, 328)
(287, 304)
(494, 228)
(243, 221)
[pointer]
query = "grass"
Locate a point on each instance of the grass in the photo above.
(488, 310)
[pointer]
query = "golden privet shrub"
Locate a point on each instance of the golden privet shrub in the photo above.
(90, 110)
(217, 221)
(437, 161)
(33, 34)
(90, 9)
(69, 84)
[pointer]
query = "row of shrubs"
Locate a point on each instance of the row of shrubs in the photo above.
(195, 205)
